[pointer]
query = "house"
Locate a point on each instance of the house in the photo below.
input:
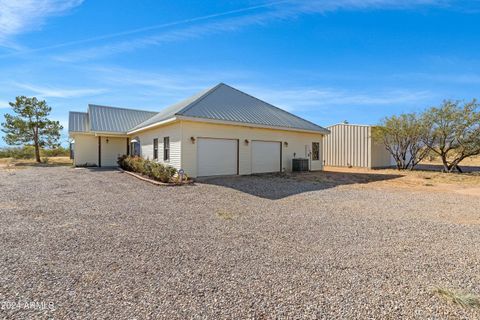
(353, 145)
(220, 131)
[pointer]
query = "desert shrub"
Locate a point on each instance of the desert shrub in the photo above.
(154, 170)
(138, 165)
(123, 162)
(26, 152)
(56, 152)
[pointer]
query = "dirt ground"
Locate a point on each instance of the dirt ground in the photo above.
(419, 180)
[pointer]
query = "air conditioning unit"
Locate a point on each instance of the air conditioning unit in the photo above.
(300, 164)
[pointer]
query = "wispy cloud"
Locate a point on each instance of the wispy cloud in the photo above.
(305, 99)
(237, 19)
(168, 86)
(55, 92)
(166, 82)
(4, 104)
(17, 16)
(460, 78)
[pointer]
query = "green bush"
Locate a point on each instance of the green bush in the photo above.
(154, 170)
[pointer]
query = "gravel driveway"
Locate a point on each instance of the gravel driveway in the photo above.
(103, 245)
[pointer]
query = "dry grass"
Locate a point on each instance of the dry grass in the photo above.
(11, 163)
(456, 297)
(472, 161)
(225, 215)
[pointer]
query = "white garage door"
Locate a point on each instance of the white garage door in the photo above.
(265, 156)
(217, 157)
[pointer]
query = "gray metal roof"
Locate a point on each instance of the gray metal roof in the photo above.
(78, 121)
(172, 110)
(112, 119)
(225, 103)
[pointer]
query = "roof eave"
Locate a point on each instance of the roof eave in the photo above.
(153, 125)
(110, 133)
(251, 125)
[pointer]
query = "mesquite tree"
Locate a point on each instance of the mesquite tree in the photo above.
(30, 125)
(402, 136)
(453, 132)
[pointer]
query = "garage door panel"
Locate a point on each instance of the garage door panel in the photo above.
(217, 157)
(266, 156)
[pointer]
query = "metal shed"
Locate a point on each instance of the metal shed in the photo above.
(352, 145)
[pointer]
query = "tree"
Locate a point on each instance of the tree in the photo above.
(453, 132)
(30, 125)
(402, 137)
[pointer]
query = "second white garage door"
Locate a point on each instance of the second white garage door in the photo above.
(216, 157)
(266, 156)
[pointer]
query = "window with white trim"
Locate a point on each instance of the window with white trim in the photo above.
(166, 148)
(315, 150)
(155, 149)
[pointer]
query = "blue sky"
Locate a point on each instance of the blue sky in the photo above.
(327, 61)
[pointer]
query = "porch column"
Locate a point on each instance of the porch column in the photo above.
(99, 151)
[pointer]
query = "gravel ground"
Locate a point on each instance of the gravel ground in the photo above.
(103, 245)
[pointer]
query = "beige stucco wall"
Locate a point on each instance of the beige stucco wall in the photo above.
(146, 143)
(298, 143)
(111, 150)
(85, 150)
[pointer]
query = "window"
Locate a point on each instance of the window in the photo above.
(315, 150)
(166, 148)
(135, 148)
(155, 149)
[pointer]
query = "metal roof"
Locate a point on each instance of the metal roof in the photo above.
(226, 103)
(78, 122)
(112, 119)
(349, 124)
(172, 110)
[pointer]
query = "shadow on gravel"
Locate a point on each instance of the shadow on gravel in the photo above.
(278, 186)
(94, 169)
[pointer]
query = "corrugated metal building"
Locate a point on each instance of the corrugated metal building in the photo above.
(351, 145)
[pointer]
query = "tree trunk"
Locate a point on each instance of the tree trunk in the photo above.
(37, 153)
(446, 167)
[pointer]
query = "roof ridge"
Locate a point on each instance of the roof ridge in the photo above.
(119, 108)
(271, 105)
(350, 124)
(203, 96)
